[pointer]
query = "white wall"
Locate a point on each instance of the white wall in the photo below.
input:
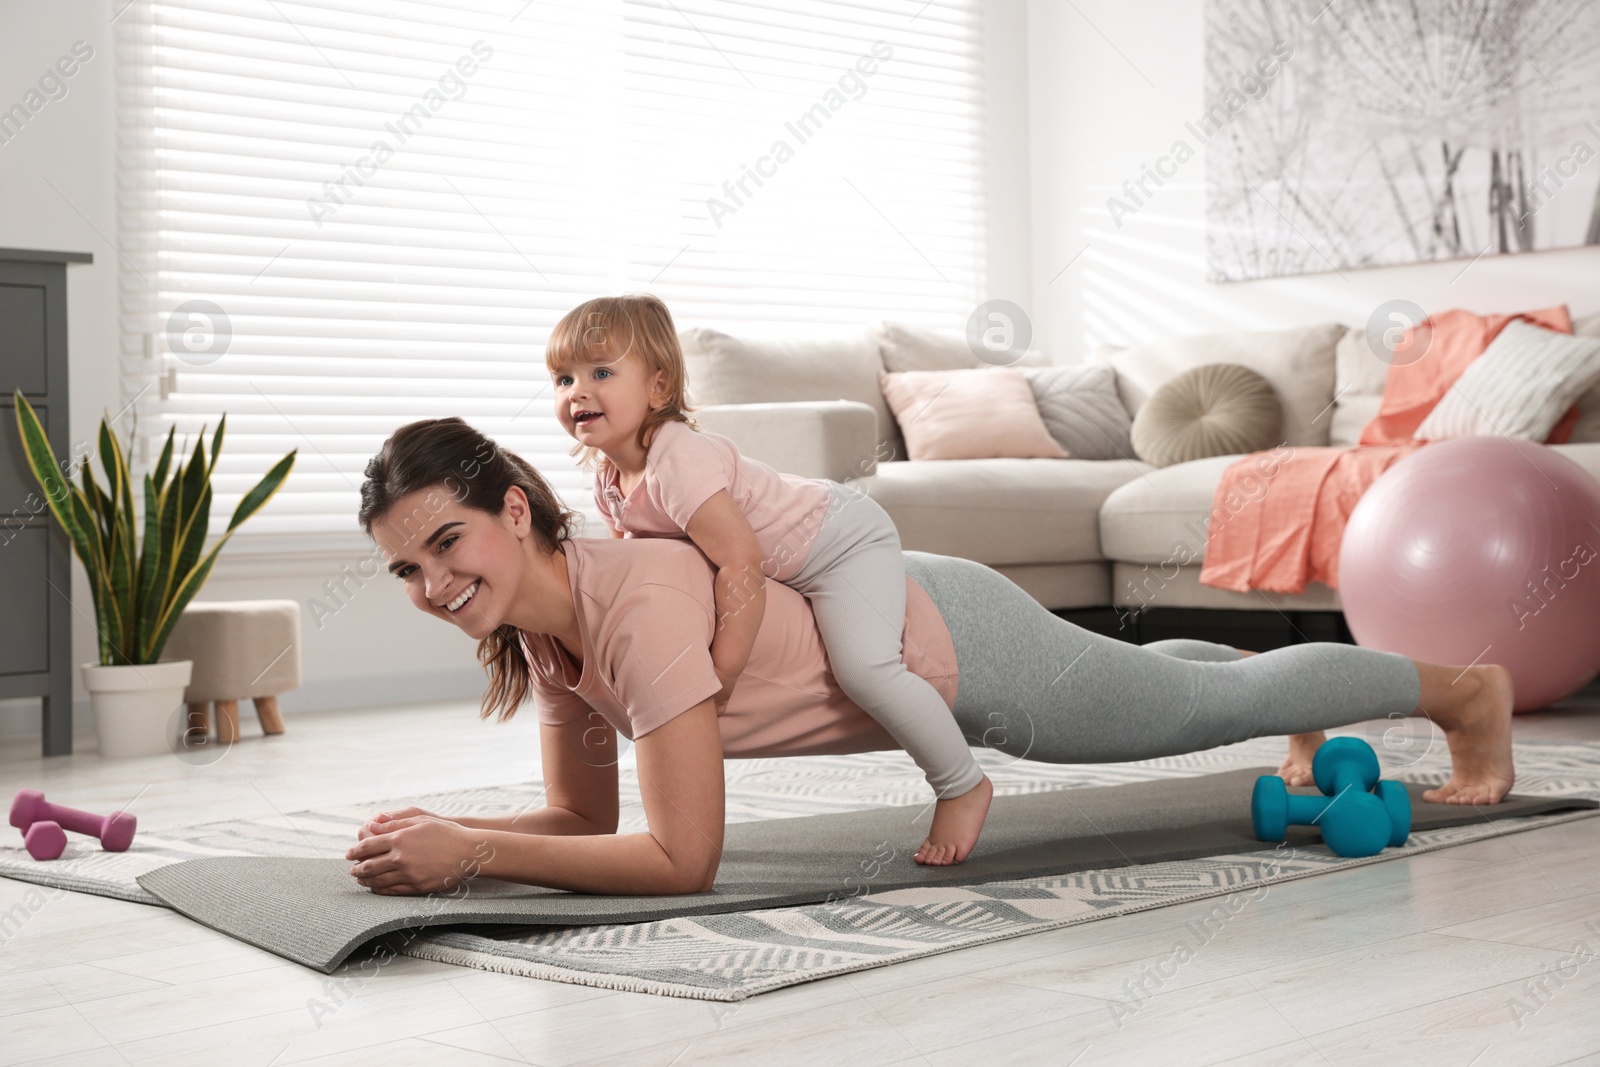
(1006, 151)
(1111, 85)
(69, 145)
(375, 648)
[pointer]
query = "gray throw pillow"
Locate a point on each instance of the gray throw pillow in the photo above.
(1081, 409)
(1219, 409)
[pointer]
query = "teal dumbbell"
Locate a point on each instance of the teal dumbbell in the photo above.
(1358, 814)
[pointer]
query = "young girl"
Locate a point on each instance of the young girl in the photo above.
(620, 392)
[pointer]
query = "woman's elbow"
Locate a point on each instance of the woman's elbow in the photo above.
(604, 819)
(597, 828)
(702, 882)
(708, 874)
(694, 877)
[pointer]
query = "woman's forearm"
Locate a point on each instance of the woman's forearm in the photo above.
(551, 821)
(625, 864)
(680, 783)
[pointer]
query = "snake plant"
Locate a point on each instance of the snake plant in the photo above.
(139, 590)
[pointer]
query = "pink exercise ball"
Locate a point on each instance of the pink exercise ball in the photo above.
(1480, 550)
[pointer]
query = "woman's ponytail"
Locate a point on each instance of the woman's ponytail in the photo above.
(502, 656)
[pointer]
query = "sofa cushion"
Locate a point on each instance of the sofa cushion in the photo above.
(1164, 515)
(999, 511)
(1358, 378)
(1520, 386)
(904, 348)
(1220, 409)
(1357, 369)
(1081, 409)
(1588, 428)
(737, 370)
(1299, 363)
(985, 413)
(1350, 416)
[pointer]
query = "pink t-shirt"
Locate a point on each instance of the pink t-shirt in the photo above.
(646, 616)
(684, 467)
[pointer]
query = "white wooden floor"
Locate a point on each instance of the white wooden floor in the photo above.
(1420, 961)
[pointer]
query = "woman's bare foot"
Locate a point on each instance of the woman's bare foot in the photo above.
(1473, 707)
(1296, 769)
(957, 822)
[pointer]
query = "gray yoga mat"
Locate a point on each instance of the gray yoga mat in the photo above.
(311, 910)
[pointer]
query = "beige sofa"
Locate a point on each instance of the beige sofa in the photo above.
(1074, 533)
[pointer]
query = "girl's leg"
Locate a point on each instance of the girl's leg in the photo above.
(1036, 686)
(858, 596)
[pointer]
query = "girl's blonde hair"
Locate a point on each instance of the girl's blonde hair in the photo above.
(605, 330)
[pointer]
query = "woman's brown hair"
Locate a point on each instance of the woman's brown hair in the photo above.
(603, 331)
(449, 455)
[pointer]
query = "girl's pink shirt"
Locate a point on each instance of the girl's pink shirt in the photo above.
(684, 468)
(646, 616)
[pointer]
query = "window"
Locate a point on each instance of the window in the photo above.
(339, 216)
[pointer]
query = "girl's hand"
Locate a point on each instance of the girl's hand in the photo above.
(418, 854)
(381, 822)
(720, 699)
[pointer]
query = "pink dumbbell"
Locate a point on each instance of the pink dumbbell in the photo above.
(41, 824)
(44, 840)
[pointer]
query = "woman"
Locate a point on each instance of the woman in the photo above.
(616, 633)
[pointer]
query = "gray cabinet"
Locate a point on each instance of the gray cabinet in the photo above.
(35, 553)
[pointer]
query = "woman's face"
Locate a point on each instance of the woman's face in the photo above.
(458, 563)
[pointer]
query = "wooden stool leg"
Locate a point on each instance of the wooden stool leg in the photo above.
(227, 721)
(199, 720)
(267, 712)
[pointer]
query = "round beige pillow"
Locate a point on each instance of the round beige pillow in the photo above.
(1220, 409)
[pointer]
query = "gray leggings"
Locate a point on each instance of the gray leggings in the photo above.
(1032, 685)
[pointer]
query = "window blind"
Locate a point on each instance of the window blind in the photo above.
(338, 216)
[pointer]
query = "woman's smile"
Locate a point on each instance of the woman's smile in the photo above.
(465, 597)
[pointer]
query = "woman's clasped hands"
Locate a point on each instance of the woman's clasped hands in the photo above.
(411, 851)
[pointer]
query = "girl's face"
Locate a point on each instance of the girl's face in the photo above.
(602, 405)
(458, 563)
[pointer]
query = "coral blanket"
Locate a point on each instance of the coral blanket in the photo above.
(1288, 533)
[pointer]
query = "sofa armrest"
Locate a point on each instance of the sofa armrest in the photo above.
(814, 439)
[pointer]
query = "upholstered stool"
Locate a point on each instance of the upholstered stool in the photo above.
(242, 649)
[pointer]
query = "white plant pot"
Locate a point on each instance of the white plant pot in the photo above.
(136, 706)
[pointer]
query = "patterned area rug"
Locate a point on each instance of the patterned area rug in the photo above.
(734, 956)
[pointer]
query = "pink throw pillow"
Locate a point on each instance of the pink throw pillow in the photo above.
(986, 413)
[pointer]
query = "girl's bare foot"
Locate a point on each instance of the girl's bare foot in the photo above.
(957, 822)
(1474, 710)
(1296, 769)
